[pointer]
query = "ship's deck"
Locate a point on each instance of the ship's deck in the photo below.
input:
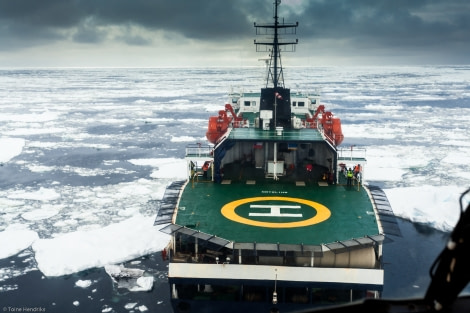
(285, 212)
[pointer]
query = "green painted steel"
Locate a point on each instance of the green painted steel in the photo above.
(352, 214)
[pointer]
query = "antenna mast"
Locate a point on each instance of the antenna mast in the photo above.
(274, 47)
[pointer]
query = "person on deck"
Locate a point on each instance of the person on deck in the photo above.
(349, 177)
(309, 169)
(357, 170)
(205, 168)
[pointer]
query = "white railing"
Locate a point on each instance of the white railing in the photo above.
(199, 150)
(352, 153)
(324, 135)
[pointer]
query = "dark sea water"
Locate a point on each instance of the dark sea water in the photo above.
(61, 294)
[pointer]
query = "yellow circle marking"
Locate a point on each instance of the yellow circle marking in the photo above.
(323, 213)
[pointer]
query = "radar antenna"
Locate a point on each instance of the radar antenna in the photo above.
(275, 73)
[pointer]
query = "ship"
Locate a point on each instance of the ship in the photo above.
(274, 215)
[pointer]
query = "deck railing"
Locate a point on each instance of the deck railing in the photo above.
(352, 153)
(320, 128)
(196, 150)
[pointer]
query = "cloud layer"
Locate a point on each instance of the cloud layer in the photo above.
(397, 31)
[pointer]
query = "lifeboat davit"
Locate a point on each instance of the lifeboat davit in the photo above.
(218, 125)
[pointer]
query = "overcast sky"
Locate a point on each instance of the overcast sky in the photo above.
(152, 33)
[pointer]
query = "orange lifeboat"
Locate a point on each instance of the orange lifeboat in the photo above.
(337, 132)
(332, 128)
(218, 125)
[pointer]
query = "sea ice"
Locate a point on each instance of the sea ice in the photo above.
(115, 243)
(437, 206)
(14, 241)
(119, 271)
(166, 167)
(183, 139)
(43, 194)
(83, 283)
(130, 306)
(415, 148)
(11, 147)
(45, 212)
(144, 283)
(132, 279)
(390, 163)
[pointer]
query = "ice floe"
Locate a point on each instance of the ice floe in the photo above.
(43, 194)
(437, 206)
(15, 241)
(83, 283)
(11, 147)
(133, 279)
(115, 243)
(165, 167)
(45, 212)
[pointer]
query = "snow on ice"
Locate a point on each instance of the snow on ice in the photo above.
(15, 241)
(165, 167)
(80, 250)
(437, 206)
(11, 147)
(83, 283)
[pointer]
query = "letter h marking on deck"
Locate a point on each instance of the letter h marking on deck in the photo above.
(276, 210)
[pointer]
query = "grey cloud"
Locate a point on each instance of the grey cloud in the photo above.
(370, 24)
(393, 23)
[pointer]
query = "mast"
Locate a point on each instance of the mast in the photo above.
(276, 29)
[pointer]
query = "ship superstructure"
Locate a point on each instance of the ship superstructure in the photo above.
(273, 214)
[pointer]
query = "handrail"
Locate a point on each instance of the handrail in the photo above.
(324, 135)
(352, 153)
(199, 150)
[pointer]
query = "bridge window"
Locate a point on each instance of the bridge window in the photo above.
(301, 104)
(297, 295)
(254, 294)
(208, 292)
